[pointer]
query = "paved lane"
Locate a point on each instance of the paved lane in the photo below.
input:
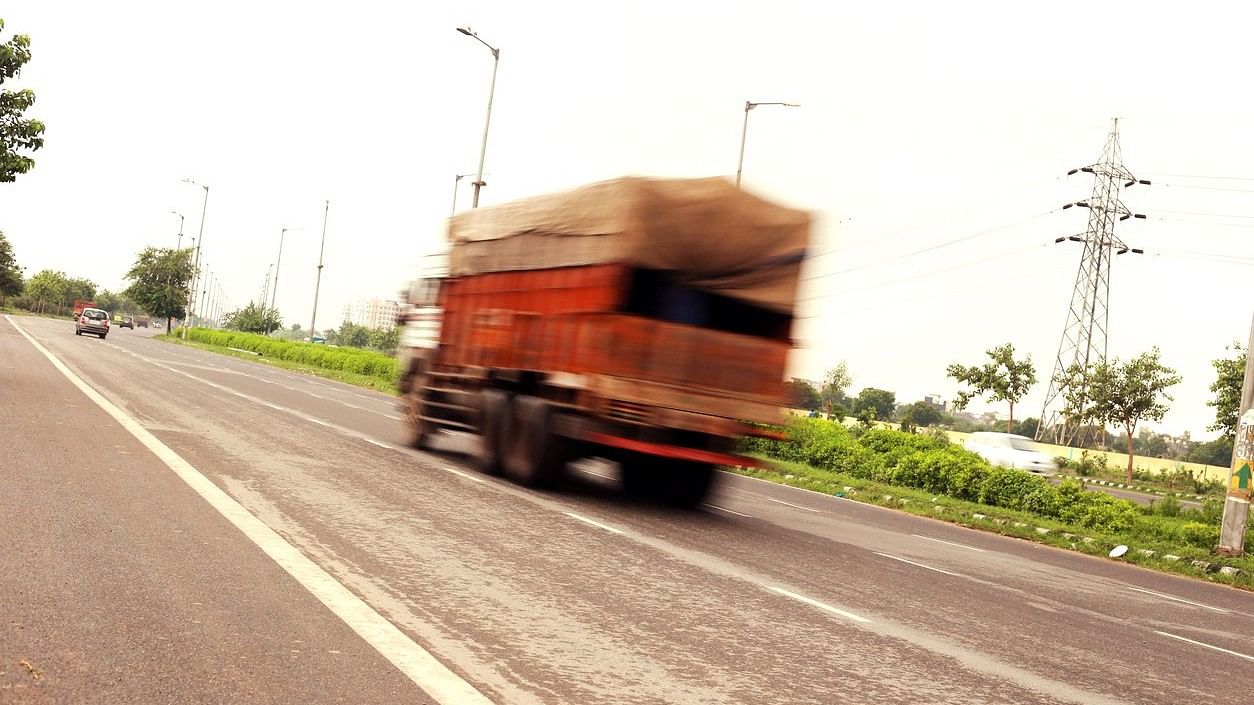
(582, 596)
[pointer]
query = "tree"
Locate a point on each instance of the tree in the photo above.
(880, 401)
(1027, 427)
(18, 136)
(1229, 376)
(802, 394)
(161, 281)
(10, 275)
(49, 288)
(353, 335)
(1216, 452)
(1003, 379)
(835, 381)
(385, 339)
(1125, 393)
(921, 413)
(253, 318)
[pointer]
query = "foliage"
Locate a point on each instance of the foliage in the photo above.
(360, 362)
(922, 414)
(1124, 393)
(57, 290)
(353, 335)
(802, 395)
(1027, 427)
(1004, 379)
(385, 340)
(18, 136)
(1229, 377)
(253, 318)
(832, 393)
(1216, 452)
(879, 401)
(161, 282)
(10, 274)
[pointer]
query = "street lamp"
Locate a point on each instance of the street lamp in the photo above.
(744, 132)
(483, 148)
(274, 294)
(313, 319)
(191, 293)
(180, 243)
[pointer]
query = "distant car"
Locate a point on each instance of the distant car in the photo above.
(1012, 451)
(127, 322)
(94, 321)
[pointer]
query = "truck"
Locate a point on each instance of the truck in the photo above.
(142, 321)
(645, 321)
(80, 304)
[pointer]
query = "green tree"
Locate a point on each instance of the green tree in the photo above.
(882, 402)
(922, 414)
(1229, 376)
(1216, 452)
(1003, 379)
(18, 136)
(802, 394)
(1027, 427)
(353, 335)
(385, 339)
(832, 393)
(160, 282)
(1125, 393)
(49, 288)
(10, 274)
(253, 318)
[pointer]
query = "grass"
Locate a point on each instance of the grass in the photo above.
(1019, 524)
(353, 378)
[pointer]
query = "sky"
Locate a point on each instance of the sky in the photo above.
(942, 127)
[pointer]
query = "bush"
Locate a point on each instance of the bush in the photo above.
(1168, 506)
(1199, 534)
(363, 362)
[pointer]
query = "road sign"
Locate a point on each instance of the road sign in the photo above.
(1239, 483)
(1241, 475)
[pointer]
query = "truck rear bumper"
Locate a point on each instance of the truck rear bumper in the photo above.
(663, 450)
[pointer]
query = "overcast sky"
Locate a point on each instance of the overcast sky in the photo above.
(920, 124)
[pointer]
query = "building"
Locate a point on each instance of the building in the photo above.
(372, 313)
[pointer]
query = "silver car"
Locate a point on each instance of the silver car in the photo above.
(1012, 451)
(94, 321)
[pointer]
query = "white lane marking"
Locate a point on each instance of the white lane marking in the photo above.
(466, 475)
(790, 504)
(433, 677)
(317, 421)
(1177, 599)
(949, 543)
(820, 605)
(1209, 646)
(729, 511)
(371, 441)
(597, 524)
(903, 560)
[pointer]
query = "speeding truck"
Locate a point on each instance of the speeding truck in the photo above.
(646, 321)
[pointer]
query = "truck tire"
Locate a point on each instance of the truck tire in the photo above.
(532, 454)
(418, 430)
(678, 483)
(494, 409)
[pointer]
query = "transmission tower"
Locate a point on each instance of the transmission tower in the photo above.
(1088, 317)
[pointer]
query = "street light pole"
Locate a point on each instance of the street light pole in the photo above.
(483, 147)
(180, 243)
(274, 294)
(744, 133)
(313, 319)
(199, 244)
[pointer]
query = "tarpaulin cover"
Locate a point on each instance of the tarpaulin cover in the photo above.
(705, 233)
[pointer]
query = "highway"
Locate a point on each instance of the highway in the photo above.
(182, 527)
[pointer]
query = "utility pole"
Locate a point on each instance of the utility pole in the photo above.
(198, 244)
(744, 134)
(313, 320)
(274, 293)
(265, 286)
(487, 122)
(1088, 317)
(1240, 483)
(180, 241)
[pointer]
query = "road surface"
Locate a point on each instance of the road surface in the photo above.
(180, 527)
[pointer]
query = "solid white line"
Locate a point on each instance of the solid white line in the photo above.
(597, 524)
(1177, 599)
(466, 475)
(790, 504)
(376, 443)
(903, 560)
(820, 605)
(1216, 648)
(320, 423)
(729, 511)
(433, 677)
(949, 543)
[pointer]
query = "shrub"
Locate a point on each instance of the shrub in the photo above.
(362, 362)
(1168, 506)
(1199, 534)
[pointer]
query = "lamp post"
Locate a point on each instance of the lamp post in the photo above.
(456, 180)
(274, 293)
(744, 133)
(313, 319)
(179, 246)
(200, 240)
(483, 148)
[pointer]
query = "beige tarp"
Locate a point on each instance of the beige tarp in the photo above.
(706, 232)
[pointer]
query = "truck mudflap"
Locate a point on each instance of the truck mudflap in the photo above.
(664, 450)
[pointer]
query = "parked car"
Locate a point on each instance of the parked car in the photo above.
(1012, 451)
(94, 321)
(127, 322)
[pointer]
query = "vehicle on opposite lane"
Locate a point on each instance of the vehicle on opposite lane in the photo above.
(1012, 451)
(127, 322)
(94, 321)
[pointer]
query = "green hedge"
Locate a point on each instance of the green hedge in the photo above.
(356, 360)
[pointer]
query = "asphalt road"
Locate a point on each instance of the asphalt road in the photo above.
(236, 533)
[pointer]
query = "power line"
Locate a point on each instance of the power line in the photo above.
(1208, 215)
(1206, 178)
(1207, 222)
(1208, 188)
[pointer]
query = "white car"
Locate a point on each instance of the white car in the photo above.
(1011, 451)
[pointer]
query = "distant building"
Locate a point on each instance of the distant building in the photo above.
(934, 401)
(372, 313)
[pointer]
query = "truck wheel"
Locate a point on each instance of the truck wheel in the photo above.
(532, 454)
(685, 483)
(494, 408)
(419, 429)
